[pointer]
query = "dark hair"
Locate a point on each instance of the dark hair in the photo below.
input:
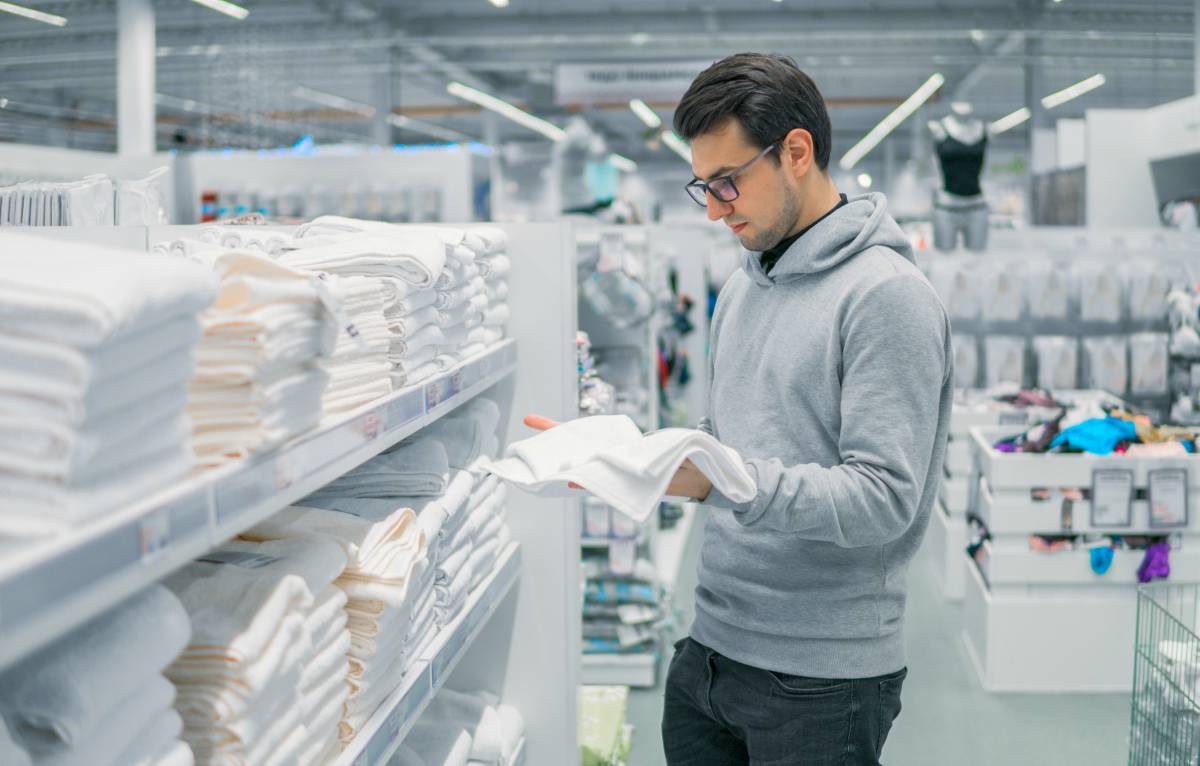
(767, 94)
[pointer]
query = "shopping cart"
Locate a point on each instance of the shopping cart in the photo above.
(1164, 723)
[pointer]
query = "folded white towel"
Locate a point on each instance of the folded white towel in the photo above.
(35, 507)
(494, 268)
(477, 520)
(497, 291)
(410, 468)
(328, 614)
(469, 313)
(408, 365)
(609, 457)
(456, 276)
(158, 744)
(457, 296)
(33, 362)
(119, 728)
(238, 594)
(77, 456)
(321, 724)
(491, 740)
(414, 257)
(403, 378)
(328, 661)
(496, 316)
(426, 336)
(483, 559)
(53, 699)
(74, 404)
(85, 295)
(495, 239)
(405, 325)
(414, 302)
(452, 563)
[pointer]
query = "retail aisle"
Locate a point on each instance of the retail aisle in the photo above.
(947, 717)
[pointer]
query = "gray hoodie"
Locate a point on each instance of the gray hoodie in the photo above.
(833, 377)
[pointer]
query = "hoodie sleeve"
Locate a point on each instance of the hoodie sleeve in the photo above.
(894, 370)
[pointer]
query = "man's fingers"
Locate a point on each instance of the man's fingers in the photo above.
(540, 422)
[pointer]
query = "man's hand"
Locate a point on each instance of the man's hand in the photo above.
(687, 481)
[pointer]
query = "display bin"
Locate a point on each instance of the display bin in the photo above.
(1164, 719)
(955, 494)
(947, 539)
(1039, 621)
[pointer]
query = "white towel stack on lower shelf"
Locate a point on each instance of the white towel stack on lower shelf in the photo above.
(359, 370)
(242, 690)
(97, 696)
(463, 729)
(96, 350)
(387, 583)
(257, 381)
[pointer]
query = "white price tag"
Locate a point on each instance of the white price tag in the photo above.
(1168, 498)
(1112, 497)
(622, 555)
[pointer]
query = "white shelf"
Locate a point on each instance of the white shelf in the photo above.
(51, 588)
(397, 715)
(518, 757)
(638, 670)
(669, 545)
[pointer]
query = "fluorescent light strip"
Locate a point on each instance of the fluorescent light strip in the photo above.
(1061, 97)
(892, 121)
(1010, 121)
(677, 145)
(499, 3)
(330, 100)
(29, 13)
(645, 113)
(225, 7)
(428, 128)
(505, 109)
(622, 163)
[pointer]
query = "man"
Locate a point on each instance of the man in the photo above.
(831, 374)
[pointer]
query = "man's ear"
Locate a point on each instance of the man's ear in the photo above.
(797, 151)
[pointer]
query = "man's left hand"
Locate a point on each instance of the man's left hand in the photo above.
(689, 482)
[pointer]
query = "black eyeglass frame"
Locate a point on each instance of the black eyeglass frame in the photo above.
(704, 188)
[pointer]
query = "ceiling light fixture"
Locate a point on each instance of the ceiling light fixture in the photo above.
(499, 3)
(46, 18)
(1010, 121)
(505, 109)
(977, 35)
(677, 145)
(892, 121)
(865, 180)
(1058, 98)
(332, 101)
(622, 163)
(645, 113)
(225, 7)
(428, 128)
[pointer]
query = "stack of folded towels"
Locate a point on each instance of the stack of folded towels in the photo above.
(463, 729)
(359, 370)
(461, 301)
(258, 382)
(474, 531)
(416, 335)
(97, 696)
(494, 266)
(256, 684)
(385, 588)
(96, 351)
(391, 600)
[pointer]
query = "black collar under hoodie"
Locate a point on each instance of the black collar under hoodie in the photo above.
(771, 257)
(832, 377)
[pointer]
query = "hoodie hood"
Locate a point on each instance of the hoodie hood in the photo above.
(860, 224)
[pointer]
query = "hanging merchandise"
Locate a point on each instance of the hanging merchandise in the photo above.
(1105, 364)
(1156, 564)
(1149, 282)
(966, 361)
(1005, 360)
(1057, 362)
(1001, 292)
(610, 279)
(1049, 289)
(957, 285)
(1101, 292)
(1148, 363)
(1099, 436)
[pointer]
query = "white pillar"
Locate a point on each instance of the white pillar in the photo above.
(135, 78)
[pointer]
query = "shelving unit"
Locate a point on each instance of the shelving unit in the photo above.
(1046, 622)
(56, 586)
(385, 730)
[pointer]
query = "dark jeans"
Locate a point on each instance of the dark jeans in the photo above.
(718, 711)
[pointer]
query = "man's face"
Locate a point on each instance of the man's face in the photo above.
(767, 206)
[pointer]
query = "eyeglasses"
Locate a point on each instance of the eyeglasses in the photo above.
(723, 187)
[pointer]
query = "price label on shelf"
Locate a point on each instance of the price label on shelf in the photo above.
(1168, 496)
(154, 535)
(1112, 497)
(372, 425)
(405, 409)
(443, 389)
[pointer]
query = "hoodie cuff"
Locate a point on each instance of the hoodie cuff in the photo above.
(745, 513)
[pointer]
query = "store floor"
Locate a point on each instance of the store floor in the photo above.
(947, 717)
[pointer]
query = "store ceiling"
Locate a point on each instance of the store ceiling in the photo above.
(225, 82)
